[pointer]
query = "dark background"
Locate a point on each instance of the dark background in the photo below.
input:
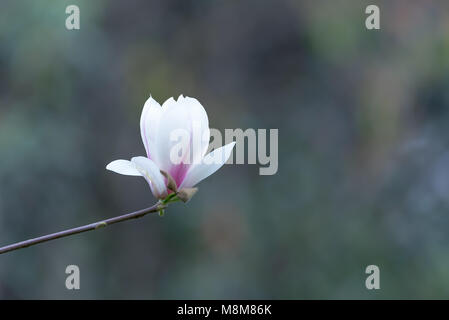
(363, 148)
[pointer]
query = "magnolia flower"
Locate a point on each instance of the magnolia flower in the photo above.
(176, 138)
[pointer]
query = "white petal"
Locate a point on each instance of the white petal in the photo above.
(149, 170)
(169, 103)
(211, 163)
(183, 118)
(199, 118)
(123, 167)
(174, 130)
(149, 124)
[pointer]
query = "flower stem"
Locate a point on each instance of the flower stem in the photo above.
(93, 226)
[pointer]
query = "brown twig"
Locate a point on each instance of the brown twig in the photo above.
(93, 226)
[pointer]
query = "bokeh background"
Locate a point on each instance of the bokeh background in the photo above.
(363, 148)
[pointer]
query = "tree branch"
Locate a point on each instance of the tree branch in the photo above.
(93, 226)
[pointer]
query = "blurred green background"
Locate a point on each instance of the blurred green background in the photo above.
(363, 148)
